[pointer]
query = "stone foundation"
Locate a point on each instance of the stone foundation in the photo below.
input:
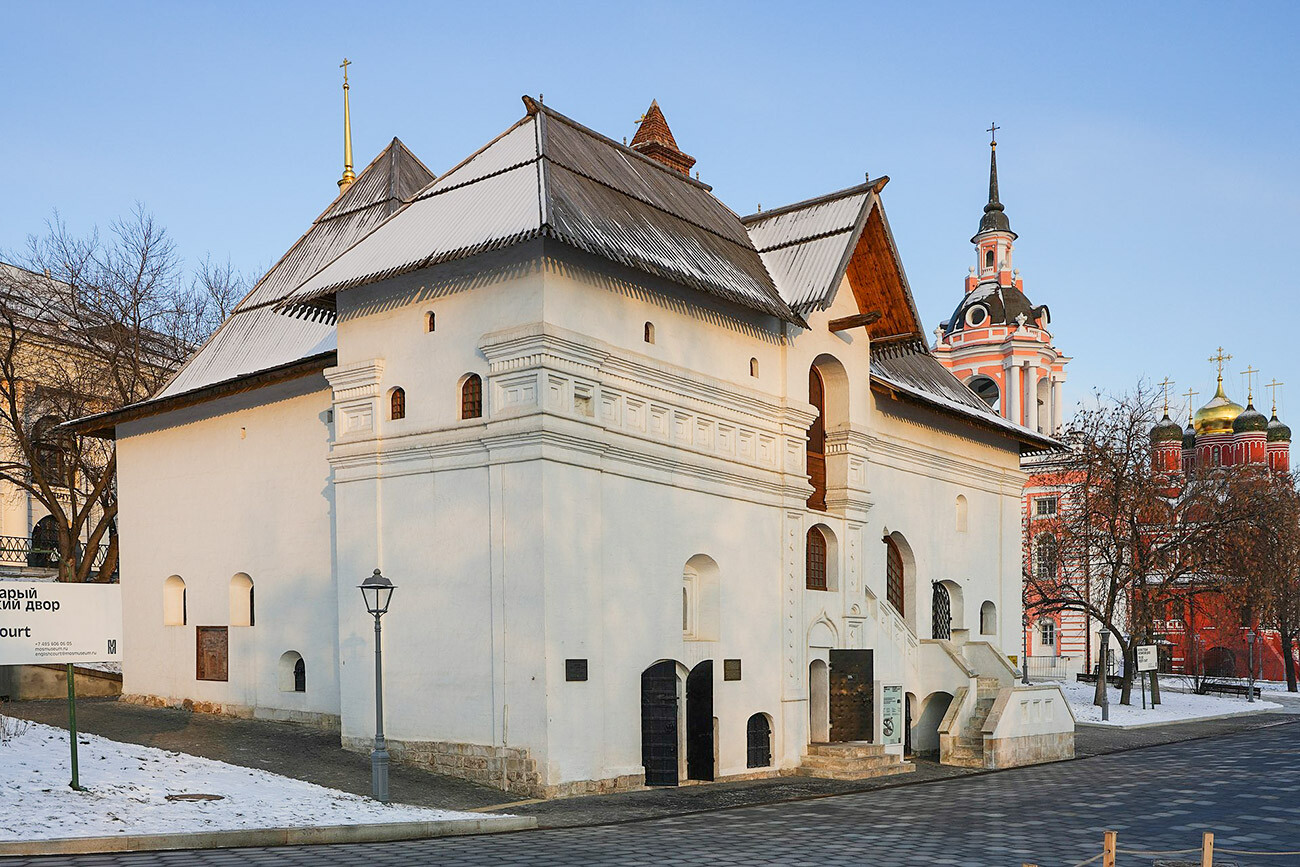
(1028, 750)
(327, 721)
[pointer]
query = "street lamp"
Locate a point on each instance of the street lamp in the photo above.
(1024, 646)
(377, 591)
(1250, 660)
(1103, 651)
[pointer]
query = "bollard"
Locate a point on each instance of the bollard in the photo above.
(1108, 850)
(1207, 849)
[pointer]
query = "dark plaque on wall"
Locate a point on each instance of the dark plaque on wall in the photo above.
(731, 669)
(575, 669)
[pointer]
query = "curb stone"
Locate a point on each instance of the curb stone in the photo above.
(262, 837)
(1175, 722)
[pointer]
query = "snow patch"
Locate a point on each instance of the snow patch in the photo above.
(1173, 707)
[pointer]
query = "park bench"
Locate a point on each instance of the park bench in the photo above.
(1223, 687)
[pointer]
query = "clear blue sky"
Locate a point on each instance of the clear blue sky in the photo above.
(1148, 155)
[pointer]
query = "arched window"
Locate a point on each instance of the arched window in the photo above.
(49, 451)
(986, 389)
(45, 544)
(815, 569)
(894, 575)
(988, 259)
(174, 613)
(1216, 457)
(988, 619)
(758, 739)
(1045, 557)
(753, 367)
(293, 672)
(961, 513)
(241, 600)
(429, 322)
(397, 404)
(649, 332)
(816, 449)
(471, 397)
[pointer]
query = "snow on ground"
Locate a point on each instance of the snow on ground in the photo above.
(128, 787)
(1173, 707)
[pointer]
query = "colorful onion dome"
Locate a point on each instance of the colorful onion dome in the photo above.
(1251, 420)
(1277, 431)
(1167, 431)
(1217, 416)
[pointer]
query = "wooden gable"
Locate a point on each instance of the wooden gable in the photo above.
(876, 277)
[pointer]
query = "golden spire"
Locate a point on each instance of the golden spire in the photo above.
(348, 175)
(1249, 373)
(1164, 387)
(1273, 387)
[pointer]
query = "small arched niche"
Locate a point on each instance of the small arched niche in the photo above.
(174, 608)
(988, 618)
(701, 599)
(292, 672)
(241, 600)
(961, 510)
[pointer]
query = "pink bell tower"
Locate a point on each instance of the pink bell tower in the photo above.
(997, 341)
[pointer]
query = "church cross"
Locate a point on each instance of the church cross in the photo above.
(344, 66)
(1273, 387)
(1249, 373)
(993, 132)
(1219, 358)
(1164, 387)
(1190, 394)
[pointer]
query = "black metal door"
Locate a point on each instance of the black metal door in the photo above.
(699, 722)
(659, 723)
(851, 687)
(941, 616)
(907, 725)
(758, 742)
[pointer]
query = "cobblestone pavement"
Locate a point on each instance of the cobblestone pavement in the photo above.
(1245, 787)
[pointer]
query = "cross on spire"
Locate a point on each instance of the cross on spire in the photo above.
(348, 174)
(1273, 387)
(1164, 387)
(993, 133)
(344, 66)
(1249, 373)
(1218, 358)
(1190, 394)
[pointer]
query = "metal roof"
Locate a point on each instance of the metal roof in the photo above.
(908, 367)
(255, 337)
(549, 175)
(806, 246)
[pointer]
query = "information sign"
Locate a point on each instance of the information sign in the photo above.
(53, 622)
(891, 713)
(1147, 657)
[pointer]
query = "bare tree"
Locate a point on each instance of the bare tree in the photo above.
(1125, 536)
(89, 324)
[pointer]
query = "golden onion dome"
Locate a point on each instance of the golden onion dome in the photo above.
(1217, 416)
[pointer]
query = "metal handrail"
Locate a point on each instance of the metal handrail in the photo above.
(22, 549)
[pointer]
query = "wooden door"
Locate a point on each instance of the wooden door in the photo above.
(851, 686)
(659, 723)
(699, 722)
(212, 654)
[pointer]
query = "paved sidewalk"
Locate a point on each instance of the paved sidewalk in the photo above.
(315, 756)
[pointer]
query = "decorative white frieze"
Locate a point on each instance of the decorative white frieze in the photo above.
(356, 389)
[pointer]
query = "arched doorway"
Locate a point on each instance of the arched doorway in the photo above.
(758, 741)
(909, 702)
(1220, 662)
(940, 612)
(699, 722)
(925, 740)
(659, 723)
(45, 544)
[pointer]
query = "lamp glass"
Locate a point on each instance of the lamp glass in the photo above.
(377, 591)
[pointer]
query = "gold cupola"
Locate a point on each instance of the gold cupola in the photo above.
(1217, 416)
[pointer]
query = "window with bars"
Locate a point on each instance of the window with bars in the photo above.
(397, 404)
(894, 575)
(816, 563)
(471, 397)
(1045, 559)
(1045, 506)
(1047, 633)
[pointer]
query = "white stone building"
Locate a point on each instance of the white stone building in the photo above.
(666, 493)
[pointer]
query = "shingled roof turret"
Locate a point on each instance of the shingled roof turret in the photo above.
(654, 139)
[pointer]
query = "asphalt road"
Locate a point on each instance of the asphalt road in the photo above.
(1245, 787)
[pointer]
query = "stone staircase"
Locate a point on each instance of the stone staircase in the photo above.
(853, 760)
(968, 751)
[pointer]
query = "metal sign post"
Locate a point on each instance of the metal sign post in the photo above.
(43, 623)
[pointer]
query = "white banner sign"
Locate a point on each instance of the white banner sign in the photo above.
(1147, 658)
(49, 622)
(891, 713)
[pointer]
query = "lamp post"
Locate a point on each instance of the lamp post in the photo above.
(1024, 657)
(1103, 648)
(1250, 659)
(377, 591)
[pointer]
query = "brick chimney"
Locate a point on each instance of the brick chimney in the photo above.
(655, 140)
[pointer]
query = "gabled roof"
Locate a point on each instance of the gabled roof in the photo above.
(549, 176)
(255, 337)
